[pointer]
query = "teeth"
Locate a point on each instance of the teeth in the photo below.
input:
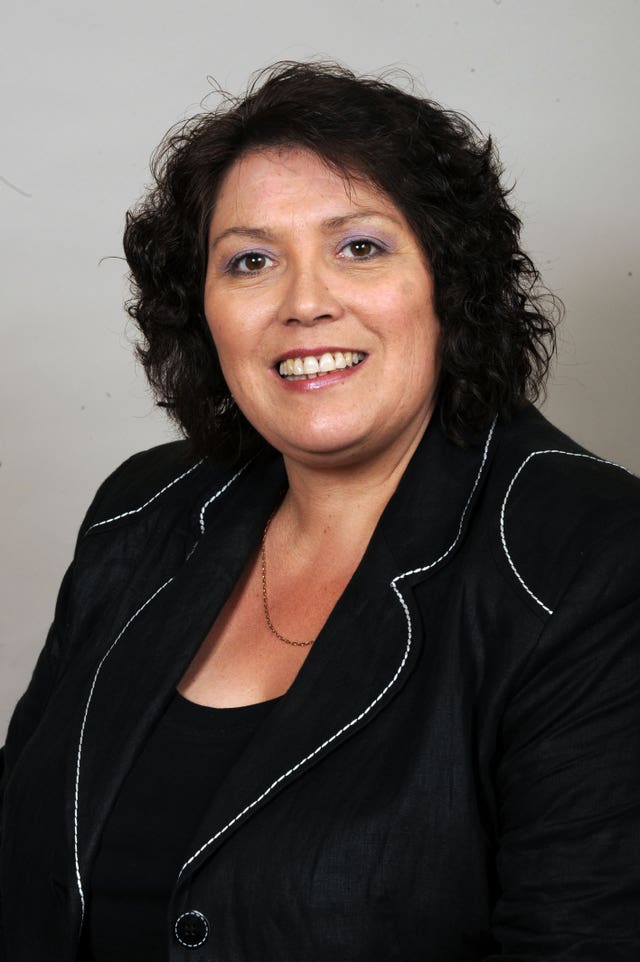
(311, 365)
(327, 363)
(300, 368)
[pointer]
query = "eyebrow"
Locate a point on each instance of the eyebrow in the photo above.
(365, 214)
(333, 223)
(258, 232)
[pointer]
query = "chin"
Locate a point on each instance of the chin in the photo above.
(335, 451)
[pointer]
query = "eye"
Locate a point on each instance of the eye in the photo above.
(250, 263)
(362, 248)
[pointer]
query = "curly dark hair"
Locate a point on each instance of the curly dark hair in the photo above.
(498, 322)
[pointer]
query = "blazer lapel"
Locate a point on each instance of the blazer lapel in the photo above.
(368, 646)
(427, 519)
(137, 673)
(359, 660)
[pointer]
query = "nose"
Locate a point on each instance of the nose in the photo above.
(308, 296)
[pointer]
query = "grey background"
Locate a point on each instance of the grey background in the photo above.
(88, 90)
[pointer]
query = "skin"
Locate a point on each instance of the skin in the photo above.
(303, 287)
(301, 262)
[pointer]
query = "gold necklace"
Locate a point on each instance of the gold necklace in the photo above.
(265, 600)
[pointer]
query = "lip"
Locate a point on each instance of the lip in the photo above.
(317, 383)
(315, 352)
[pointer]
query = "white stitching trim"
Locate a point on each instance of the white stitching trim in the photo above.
(569, 454)
(218, 493)
(462, 516)
(354, 721)
(102, 661)
(84, 721)
(195, 945)
(125, 514)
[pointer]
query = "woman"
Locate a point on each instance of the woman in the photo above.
(352, 673)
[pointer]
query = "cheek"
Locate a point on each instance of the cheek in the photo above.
(406, 308)
(418, 333)
(226, 349)
(236, 318)
(223, 326)
(426, 323)
(230, 360)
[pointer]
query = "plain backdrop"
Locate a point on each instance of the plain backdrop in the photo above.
(89, 89)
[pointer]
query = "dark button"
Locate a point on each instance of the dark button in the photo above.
(191, 929)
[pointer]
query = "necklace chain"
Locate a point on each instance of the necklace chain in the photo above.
(265, 599)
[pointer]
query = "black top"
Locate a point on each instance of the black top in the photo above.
(146, 838)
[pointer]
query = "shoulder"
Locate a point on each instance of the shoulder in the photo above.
(544, 472)
(556, 505)
(167, 476)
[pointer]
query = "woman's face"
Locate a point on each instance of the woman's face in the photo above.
(320, 304)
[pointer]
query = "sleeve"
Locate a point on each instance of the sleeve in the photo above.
(568, 779)
(31, 706)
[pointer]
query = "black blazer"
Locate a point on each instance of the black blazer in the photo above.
(454, 774)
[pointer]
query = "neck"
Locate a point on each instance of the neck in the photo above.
(344, 503)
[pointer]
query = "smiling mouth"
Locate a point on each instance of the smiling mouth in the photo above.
(313, 366)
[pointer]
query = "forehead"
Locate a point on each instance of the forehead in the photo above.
(285, 182)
